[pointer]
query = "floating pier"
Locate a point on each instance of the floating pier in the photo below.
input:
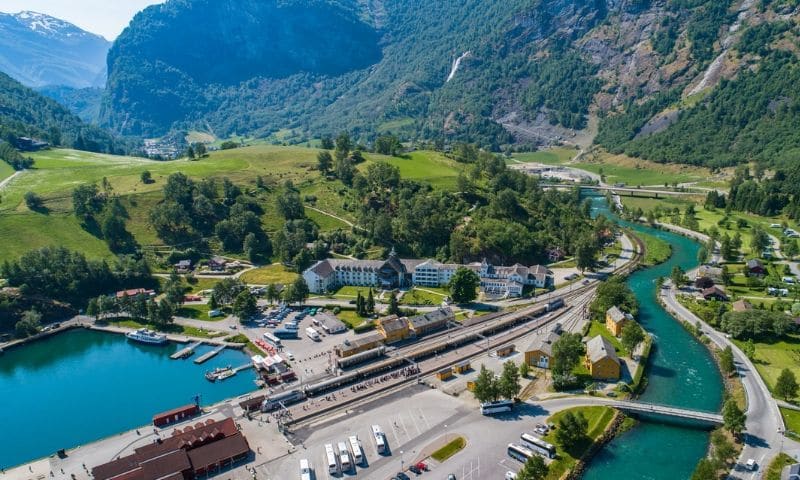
(208, 356)
(185, 352)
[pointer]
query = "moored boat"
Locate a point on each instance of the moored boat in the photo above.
(144, 335)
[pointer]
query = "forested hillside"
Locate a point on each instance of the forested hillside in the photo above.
(26, 113)
(672, 81)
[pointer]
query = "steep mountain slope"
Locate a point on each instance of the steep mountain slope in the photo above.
(528, 71)
(26, 113)
(40, 50)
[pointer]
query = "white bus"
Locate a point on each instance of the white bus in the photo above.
(272, 339)
(305, 470)
(344, 457)
(330, 455)
(356, 449)
(490, 408)
(312, 334)
(538, 445)
(519, 453)
(380, 440)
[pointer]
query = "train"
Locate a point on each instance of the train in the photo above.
(424, 351)
(273, 402)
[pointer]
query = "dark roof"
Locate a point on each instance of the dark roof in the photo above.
(166, 465)
(214, 453)
(323, 268)
(393, 324)
(115, 468)
(434, 318)
(754, 263)
(599, 348)
(714, 291)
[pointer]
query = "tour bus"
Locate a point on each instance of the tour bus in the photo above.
(538, 445)
(356, 448)
(272, 339)
(344, 457)
(313, 334)
(520, 453)
(490, 408)
(380, 441)
(330, 455)
(305, 470)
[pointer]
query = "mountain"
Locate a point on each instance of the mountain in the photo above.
(40, 50)
(83, 102)
(27, 113)
(660, 76)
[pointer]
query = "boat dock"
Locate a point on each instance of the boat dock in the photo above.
(185, 352)
(208, 356)
(243, 367)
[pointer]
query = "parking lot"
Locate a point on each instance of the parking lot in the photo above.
(412, 421)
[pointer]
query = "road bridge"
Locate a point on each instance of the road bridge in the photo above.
(668, 411)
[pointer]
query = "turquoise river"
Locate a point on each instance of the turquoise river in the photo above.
(80, 386)
(681, 372)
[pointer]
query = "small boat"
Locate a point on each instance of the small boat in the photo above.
(219, 373)
(144, 335)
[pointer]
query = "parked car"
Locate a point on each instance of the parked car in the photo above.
(751, 465)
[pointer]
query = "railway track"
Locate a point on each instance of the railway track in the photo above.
(504, 328)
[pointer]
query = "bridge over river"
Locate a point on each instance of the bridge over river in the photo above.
(624, 191)
(633, 407)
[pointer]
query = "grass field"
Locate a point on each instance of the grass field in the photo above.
(5, 170)
(792, 420)
(598, 418)
(268, 275)
(198, 311)
(773, 357)
(451, 448)
(57, 172)
(553, 156)
(351, 318)
(173, 328)
(774, 469)
(634, 171)
(656, 250)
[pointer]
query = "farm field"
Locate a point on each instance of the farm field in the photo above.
(553, 156)
(57, 172)
(634, 171)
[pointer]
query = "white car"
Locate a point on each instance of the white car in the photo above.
(510, 475)
(751, 465)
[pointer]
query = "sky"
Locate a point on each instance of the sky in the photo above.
(104, 17)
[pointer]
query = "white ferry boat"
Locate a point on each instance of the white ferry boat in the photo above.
(144, 335)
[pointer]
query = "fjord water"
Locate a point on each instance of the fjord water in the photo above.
(80, 386)
(680, 372)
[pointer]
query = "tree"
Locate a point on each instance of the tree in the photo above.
(245, 305)
(464, 285)
(723, 448)
(29, 323)
(749, 349)
(678, 276)
(370, 305)
(534, 469)
(326, 142)
(93, 309)
(705, 470)
(702, 255)
(324, 162)
(486, 388)
(508, 385)
(174, 290)
(33, 201)
(567, 351)
(387, 145)
(226, 290)
(786, 385)
(200, 149)
(572, 429)
(393, 308)
(585, 254)
(726, 360)
(272, 293)
(632, 336)
(297, 291)
(190, 153)
(726, 276)
(524, 369)
(733, 417)
(146, 177)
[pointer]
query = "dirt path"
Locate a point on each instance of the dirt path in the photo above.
(8, 180)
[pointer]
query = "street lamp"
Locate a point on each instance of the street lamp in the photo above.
(445, 433)
(401, 460)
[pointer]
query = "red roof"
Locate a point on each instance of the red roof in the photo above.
(191, 408)
(133, 292)
(214, 453)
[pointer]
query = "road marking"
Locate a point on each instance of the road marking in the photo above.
(424, 419)
(411, 414)
(405, 429)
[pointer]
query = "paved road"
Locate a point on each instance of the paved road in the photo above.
(763, 437)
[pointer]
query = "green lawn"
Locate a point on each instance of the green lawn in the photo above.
(598, 328)
(268, 275)
(351, 318)
(418, 296)
(21, 232)
(326, 223)
(773, 357)
(451, 448)
(598, 418)
(792, 420)
(198, 311)
(647, 204)
(172, 328)
(632, 176)
(553, 156)
(656, 250)
(427, 166)
(774, 469)
(5, 170)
